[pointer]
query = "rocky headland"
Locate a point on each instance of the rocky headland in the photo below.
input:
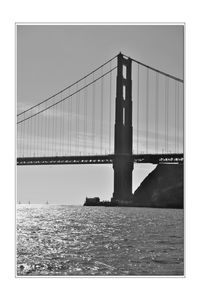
(163, 188)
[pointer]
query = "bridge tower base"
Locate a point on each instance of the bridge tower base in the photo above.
(123, 164)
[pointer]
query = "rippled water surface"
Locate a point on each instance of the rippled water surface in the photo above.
(74, 240)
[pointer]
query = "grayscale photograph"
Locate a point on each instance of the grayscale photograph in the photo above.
(99, 150)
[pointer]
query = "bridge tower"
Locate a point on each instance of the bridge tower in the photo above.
(123, 163)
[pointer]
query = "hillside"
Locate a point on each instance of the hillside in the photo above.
(163, 187)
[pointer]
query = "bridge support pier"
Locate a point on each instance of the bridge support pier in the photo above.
(123, 164)
(123, 168)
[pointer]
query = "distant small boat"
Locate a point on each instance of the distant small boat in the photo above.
(47, 202)
(29, 202)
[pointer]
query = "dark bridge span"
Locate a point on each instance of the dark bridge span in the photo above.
(99, 159)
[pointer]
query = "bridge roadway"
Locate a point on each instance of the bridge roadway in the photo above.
(99, 159)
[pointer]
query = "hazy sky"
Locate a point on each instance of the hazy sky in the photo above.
(51, 57)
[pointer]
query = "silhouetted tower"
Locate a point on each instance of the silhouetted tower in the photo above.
(123, 163)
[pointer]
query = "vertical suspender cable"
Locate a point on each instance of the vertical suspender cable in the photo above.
(27, 146)
(56, 131)
(101, 123)
(19, 128)
(22, 141)
(60, 122)
(147, 111)
(63, 126)
(177, 117)
(78, 108)
(28, 138)
(24, 134)
(166, 112)
(138, 107)
(70, 124)
(64, 116)
(18, 140)
(93, 115)
(34, 134)
(41, 135)
(85, 117)
(25, 139)
(182, 116)
(168, 89)
(156, 112)
(76, 119)
(48, 133)
(110, 96)
(52, 134)
(45, 130)
(37, 135)
(19, 135)
(39, 143)
(31, 136)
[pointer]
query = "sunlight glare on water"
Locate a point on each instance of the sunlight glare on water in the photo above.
(59, 240)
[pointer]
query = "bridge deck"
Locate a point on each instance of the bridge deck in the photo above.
(99, 159)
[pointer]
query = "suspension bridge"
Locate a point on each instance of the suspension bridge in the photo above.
(121, 113)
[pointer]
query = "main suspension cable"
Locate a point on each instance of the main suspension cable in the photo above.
(69, 96)
(155, 70)
(69, 86)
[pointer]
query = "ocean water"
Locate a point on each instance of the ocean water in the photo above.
(59, 240)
